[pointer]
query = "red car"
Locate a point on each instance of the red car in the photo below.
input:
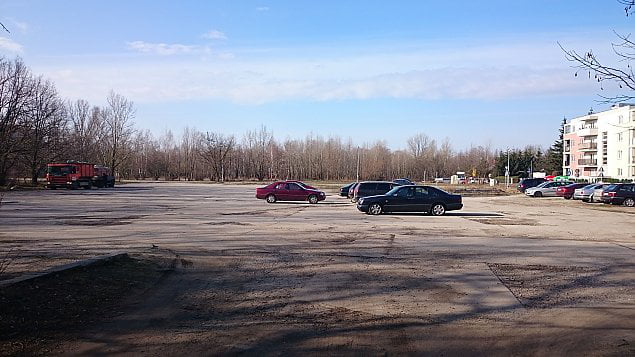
(289, 191)
(568, 190)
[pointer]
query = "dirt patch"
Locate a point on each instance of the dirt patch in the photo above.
(506, 221)
(552, 286)
(478, 192)
(35, 311)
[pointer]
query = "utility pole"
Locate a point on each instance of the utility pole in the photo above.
(507, 173)
(357, 176)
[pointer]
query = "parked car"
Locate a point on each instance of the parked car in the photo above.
(344, 189)
(620, 194)
(289, 191)
(403, 181)
(586, 193)
(546, 189)
(597, 194)
(372, 188)
(524, 184)
(351, 190)
(567, 191)
(411, 198)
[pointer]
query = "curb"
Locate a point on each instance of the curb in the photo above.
(57, 269)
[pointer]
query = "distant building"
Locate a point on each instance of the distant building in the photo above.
(601, 145)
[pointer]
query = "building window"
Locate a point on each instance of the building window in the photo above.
(620, 119)
(619, 154)
(619, 172)
(619, 137)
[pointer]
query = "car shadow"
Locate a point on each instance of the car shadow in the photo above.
(327, 203)
(450, 214)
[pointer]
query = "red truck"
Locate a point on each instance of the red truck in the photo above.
(73, 175)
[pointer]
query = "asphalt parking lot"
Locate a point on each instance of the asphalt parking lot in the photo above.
(505, 275)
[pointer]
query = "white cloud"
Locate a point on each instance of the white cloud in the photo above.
(262, 8)
(487, 72)
(215, 35)
(165, 49)
(9, 45)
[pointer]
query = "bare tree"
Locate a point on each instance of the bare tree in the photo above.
(46, 127)
(621, 74)
(215, 149)
(258, 149)
(86, 129)
(15, 94)
(118, 130)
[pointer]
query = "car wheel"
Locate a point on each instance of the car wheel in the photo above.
(437, 209)
(537, 194)
(375, 209)
(271, 199)
(567, 197)
(313, 199)
(629, 202)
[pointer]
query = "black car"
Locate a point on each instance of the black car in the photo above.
(529, 183)
(372, 188)
(403, 181)
(411, 199)
(344, 189)
(620, 194)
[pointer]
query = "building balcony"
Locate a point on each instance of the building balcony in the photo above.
(588, 131)
(588, 162)
(588, 147)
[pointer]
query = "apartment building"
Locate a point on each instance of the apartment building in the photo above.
(601, 145)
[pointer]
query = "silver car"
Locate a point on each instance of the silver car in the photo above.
(587, 192)
(546, 189)
(596, 196)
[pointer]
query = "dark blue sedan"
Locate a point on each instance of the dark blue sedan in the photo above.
(411, 199)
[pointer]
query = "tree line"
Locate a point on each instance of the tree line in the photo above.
(37, 126)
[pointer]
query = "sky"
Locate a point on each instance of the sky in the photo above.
(476, 73)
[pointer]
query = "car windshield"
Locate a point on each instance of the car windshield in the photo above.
(60, 170)
(610, 187)
(393, 191)
(543, 184)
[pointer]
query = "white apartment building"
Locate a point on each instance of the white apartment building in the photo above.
(601, 145)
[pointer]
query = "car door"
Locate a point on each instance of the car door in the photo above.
(550, 189)
(296, 193)
(398, 201)
(282, 191)
(423, 199)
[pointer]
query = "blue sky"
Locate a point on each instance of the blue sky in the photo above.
(477, 73)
